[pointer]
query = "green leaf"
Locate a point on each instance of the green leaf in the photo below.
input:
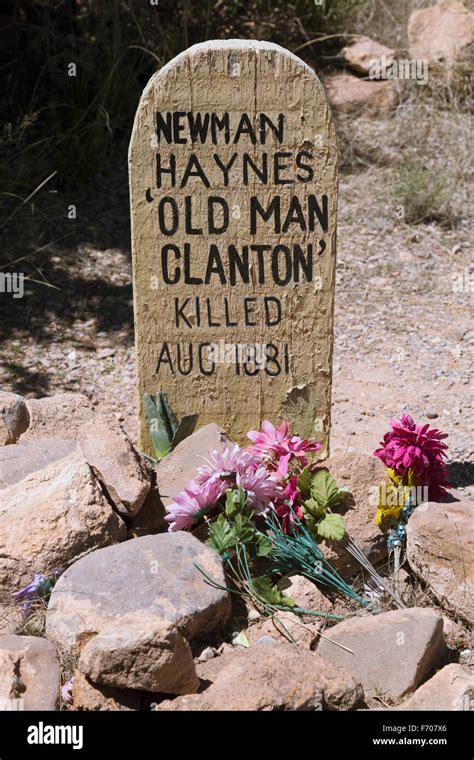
(221, 535)
(184, 429)
(331, 527)
(166, 413)
(244, 529)
(236, 499)
(324, 489)
(263, 544)
(304, 480)
(270, 593)
(313, 508)
(158, 432)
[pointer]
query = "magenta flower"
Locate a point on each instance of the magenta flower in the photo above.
(408, 446)
(277, 447)
(193, 502)
(290, 509)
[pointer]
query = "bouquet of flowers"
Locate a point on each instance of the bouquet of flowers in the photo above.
(266, 507)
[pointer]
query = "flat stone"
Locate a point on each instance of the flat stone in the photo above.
(24, 458)
(452, 688)
(348, 93)
(152, 575)
(440, 549)
(119, 468)
(51, 518)
(267, 677)
(391, 653)
(363, 51)
(29, 671)
(175, 471)
(59, 416)
(14, 417)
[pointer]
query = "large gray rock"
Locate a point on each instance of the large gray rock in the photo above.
(51, 518)
(109, 452)
(362, 475)
(452, 688)
(156, 575)
(129, 609)
(175, 471)
(20, 460)
(270, 677)
(140, 653)
(440, 549)
(58, 416)
(14, 417)
(391, 653)
(29, 671)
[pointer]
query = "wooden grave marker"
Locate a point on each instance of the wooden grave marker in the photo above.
(233, 184)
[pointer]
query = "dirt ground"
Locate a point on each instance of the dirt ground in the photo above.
(403, 332)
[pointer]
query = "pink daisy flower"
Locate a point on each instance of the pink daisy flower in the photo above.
(193, 502)
(277, 447)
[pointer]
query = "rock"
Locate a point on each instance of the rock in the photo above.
(14, 417)
(58, 416)
(391, 653)
(152, 575)
(207, 654)
(348, 93)
(89, 696)
(20, 460)
(109, 452)
(142, 652)
(360, 53)
(440, 549)
(270, 677)
(29, 671)
(303, 633)
(179, 467)
(362, 475)
(305, 593)
(50, 519)
(452, 688)
(453, 632)
(444, 36)
(265, 640)
(151, 517)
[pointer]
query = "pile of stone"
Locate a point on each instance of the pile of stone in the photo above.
(135, 620)
(440, 41)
